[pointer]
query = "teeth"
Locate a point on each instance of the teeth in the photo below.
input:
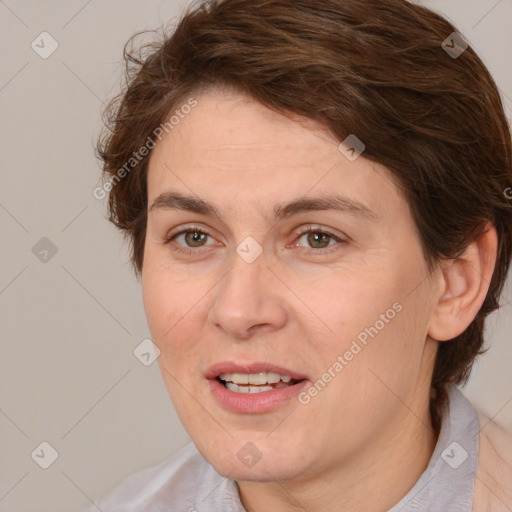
(240, 378)
(257, 379)
(247, 389)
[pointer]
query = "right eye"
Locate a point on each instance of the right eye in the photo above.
(192, 235)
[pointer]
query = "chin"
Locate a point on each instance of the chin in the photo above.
(244, 461)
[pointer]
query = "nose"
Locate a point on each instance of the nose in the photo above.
(248, 300)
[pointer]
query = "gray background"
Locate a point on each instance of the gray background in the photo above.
(69, 325)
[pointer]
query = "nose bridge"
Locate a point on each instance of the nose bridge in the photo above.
(243, 298)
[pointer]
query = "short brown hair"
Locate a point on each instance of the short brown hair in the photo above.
(373, 68)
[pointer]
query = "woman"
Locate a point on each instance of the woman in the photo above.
(315, 194)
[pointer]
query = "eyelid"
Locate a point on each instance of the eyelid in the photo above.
(314, 228)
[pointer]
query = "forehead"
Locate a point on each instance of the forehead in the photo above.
(232, 147)
(226, 126)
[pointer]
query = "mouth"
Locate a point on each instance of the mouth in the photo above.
(251, 383)
(255, 387)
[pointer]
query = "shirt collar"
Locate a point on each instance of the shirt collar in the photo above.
(449, 479)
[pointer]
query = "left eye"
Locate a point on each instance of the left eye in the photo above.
(316, 236)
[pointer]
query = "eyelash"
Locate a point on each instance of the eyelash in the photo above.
(195, 229)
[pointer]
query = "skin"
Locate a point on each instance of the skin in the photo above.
(365, 439)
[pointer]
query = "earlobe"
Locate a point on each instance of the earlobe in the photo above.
(464, 283)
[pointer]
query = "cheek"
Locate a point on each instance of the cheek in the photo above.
(385, 354)
(175, 309)
(374, 322)
(165, 318)
(158, 302)
(164, 292)
(346, 305)
(371, 375)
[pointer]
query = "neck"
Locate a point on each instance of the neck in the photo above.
(375, 480)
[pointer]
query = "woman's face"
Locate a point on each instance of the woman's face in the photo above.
(339, 316)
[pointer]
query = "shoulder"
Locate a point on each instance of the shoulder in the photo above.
(176, 481)
(493, 482)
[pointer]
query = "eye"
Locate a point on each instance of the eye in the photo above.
(193, 236)
(319, 239)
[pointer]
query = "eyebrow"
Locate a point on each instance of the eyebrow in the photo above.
(336, 202)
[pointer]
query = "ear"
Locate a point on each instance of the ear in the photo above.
(464, 283)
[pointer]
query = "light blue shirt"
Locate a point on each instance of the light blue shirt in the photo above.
(185, 482)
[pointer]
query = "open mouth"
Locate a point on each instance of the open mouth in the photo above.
(250, 383)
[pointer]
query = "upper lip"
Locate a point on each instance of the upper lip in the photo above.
(256, 367)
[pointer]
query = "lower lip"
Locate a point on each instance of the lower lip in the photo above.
(253, 403)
